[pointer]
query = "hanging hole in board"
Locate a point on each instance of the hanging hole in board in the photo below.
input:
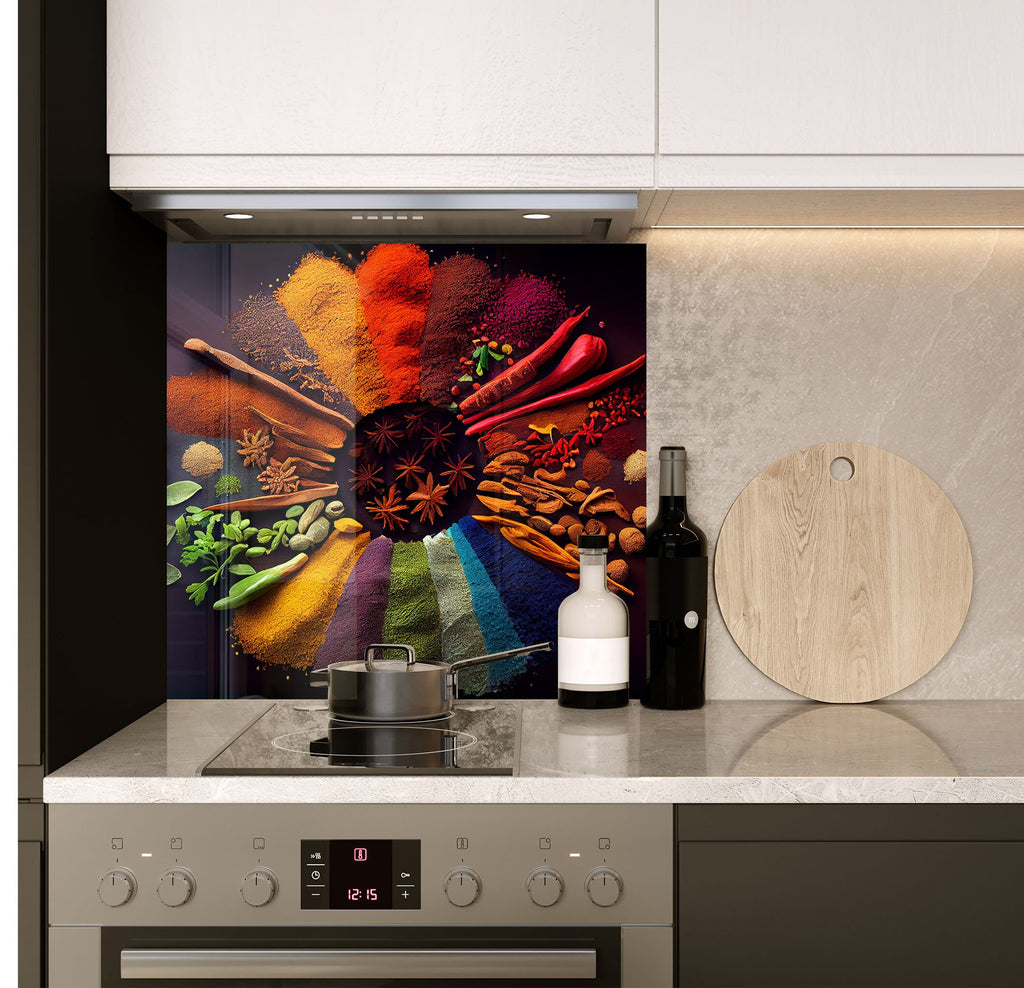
(841, 468)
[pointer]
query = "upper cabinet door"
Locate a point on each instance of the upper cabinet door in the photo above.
(827, 77)
(384, 77)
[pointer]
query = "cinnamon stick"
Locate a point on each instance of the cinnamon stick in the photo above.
(292, 432)
(272, 502)
(268, 383)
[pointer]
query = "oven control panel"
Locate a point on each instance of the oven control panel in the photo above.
(166, 864)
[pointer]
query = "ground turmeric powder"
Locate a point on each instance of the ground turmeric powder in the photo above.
(322, 298)
(287, 625)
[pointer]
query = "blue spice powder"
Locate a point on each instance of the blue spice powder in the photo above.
(529, 591)
(498, 630)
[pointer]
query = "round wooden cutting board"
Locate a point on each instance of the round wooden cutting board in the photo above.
(843, 590)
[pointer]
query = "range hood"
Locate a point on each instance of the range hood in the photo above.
(477, 217)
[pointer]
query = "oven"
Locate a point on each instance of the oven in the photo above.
(292, 894)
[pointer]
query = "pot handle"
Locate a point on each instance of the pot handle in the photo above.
(456, 667)
(410, 654)
(319, 678)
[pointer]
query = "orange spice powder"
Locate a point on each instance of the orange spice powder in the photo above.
(322, 298)
(210, 403)
(287, 625)
(394, 285)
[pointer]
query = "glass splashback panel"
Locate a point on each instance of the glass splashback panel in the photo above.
(341, 469)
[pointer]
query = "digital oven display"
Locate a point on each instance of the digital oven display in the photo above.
(360, 874)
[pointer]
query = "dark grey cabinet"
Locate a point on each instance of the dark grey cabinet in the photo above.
(823, 896)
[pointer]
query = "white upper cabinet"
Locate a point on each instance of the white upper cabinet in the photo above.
(831, 77)
(386, 77)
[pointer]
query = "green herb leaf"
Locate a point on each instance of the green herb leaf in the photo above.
(236, 517)
(232, 532)
(236, 551)
(291, 526)
(277, 541)
(181, 529)
(193, 510)
(196, 592)
(295, 511)
(170, 533)
(181, 491)
(173, 574)
(242, 569)
(255, 552)
(264, 535)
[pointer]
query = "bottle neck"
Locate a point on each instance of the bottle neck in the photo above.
(672, 487)
(593, 578)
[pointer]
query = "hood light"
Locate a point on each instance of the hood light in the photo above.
(238, 216)
(536, 216)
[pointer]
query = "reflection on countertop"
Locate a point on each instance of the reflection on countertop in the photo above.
(729, 751)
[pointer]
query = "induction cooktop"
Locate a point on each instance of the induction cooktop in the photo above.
(300, 738)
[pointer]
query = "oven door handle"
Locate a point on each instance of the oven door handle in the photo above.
(442, 965)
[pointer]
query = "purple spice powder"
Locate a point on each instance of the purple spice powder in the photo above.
(359, 616)
(528, 310)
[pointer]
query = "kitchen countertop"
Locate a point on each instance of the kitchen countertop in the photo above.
(965, 751)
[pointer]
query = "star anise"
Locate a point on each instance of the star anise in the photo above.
(410, 468)
(279, 478)
(255, 446)
(366, 477)
(439, 437)
(430, 500)
(388, 510)
(459, 472)
(414, 421)
(384, 435)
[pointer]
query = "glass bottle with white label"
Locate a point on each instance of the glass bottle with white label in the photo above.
(593, 636)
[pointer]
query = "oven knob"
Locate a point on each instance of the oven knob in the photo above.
(462, 886)
(176, 887)
(604, 887)
(259, 886)
(117, 887)
(545, 886)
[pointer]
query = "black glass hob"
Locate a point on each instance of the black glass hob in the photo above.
(300, 738)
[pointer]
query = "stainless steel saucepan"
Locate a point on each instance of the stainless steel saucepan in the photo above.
(393, 691)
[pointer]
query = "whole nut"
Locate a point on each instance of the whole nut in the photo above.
(540, 523)
(334, 510)
(575, 531)
(319, 530)
(632, 541)
(618, 570)
(640, 516)
(300, 543)
(557, 530)
(310, 515)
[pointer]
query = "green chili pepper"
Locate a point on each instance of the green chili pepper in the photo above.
(254, 586)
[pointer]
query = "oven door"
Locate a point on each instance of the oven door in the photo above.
(362, 957)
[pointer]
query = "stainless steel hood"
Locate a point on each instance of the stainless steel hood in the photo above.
(477, 217)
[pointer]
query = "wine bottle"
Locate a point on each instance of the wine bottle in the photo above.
(677, 595)
(593, 636)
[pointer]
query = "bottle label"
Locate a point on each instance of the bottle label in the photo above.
(592, 664)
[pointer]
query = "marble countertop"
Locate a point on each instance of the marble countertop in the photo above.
(926, 751)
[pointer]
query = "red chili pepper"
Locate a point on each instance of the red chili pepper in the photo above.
(584, 390)
(523, 371)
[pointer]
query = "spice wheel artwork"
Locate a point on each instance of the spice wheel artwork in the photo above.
(396, 443)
